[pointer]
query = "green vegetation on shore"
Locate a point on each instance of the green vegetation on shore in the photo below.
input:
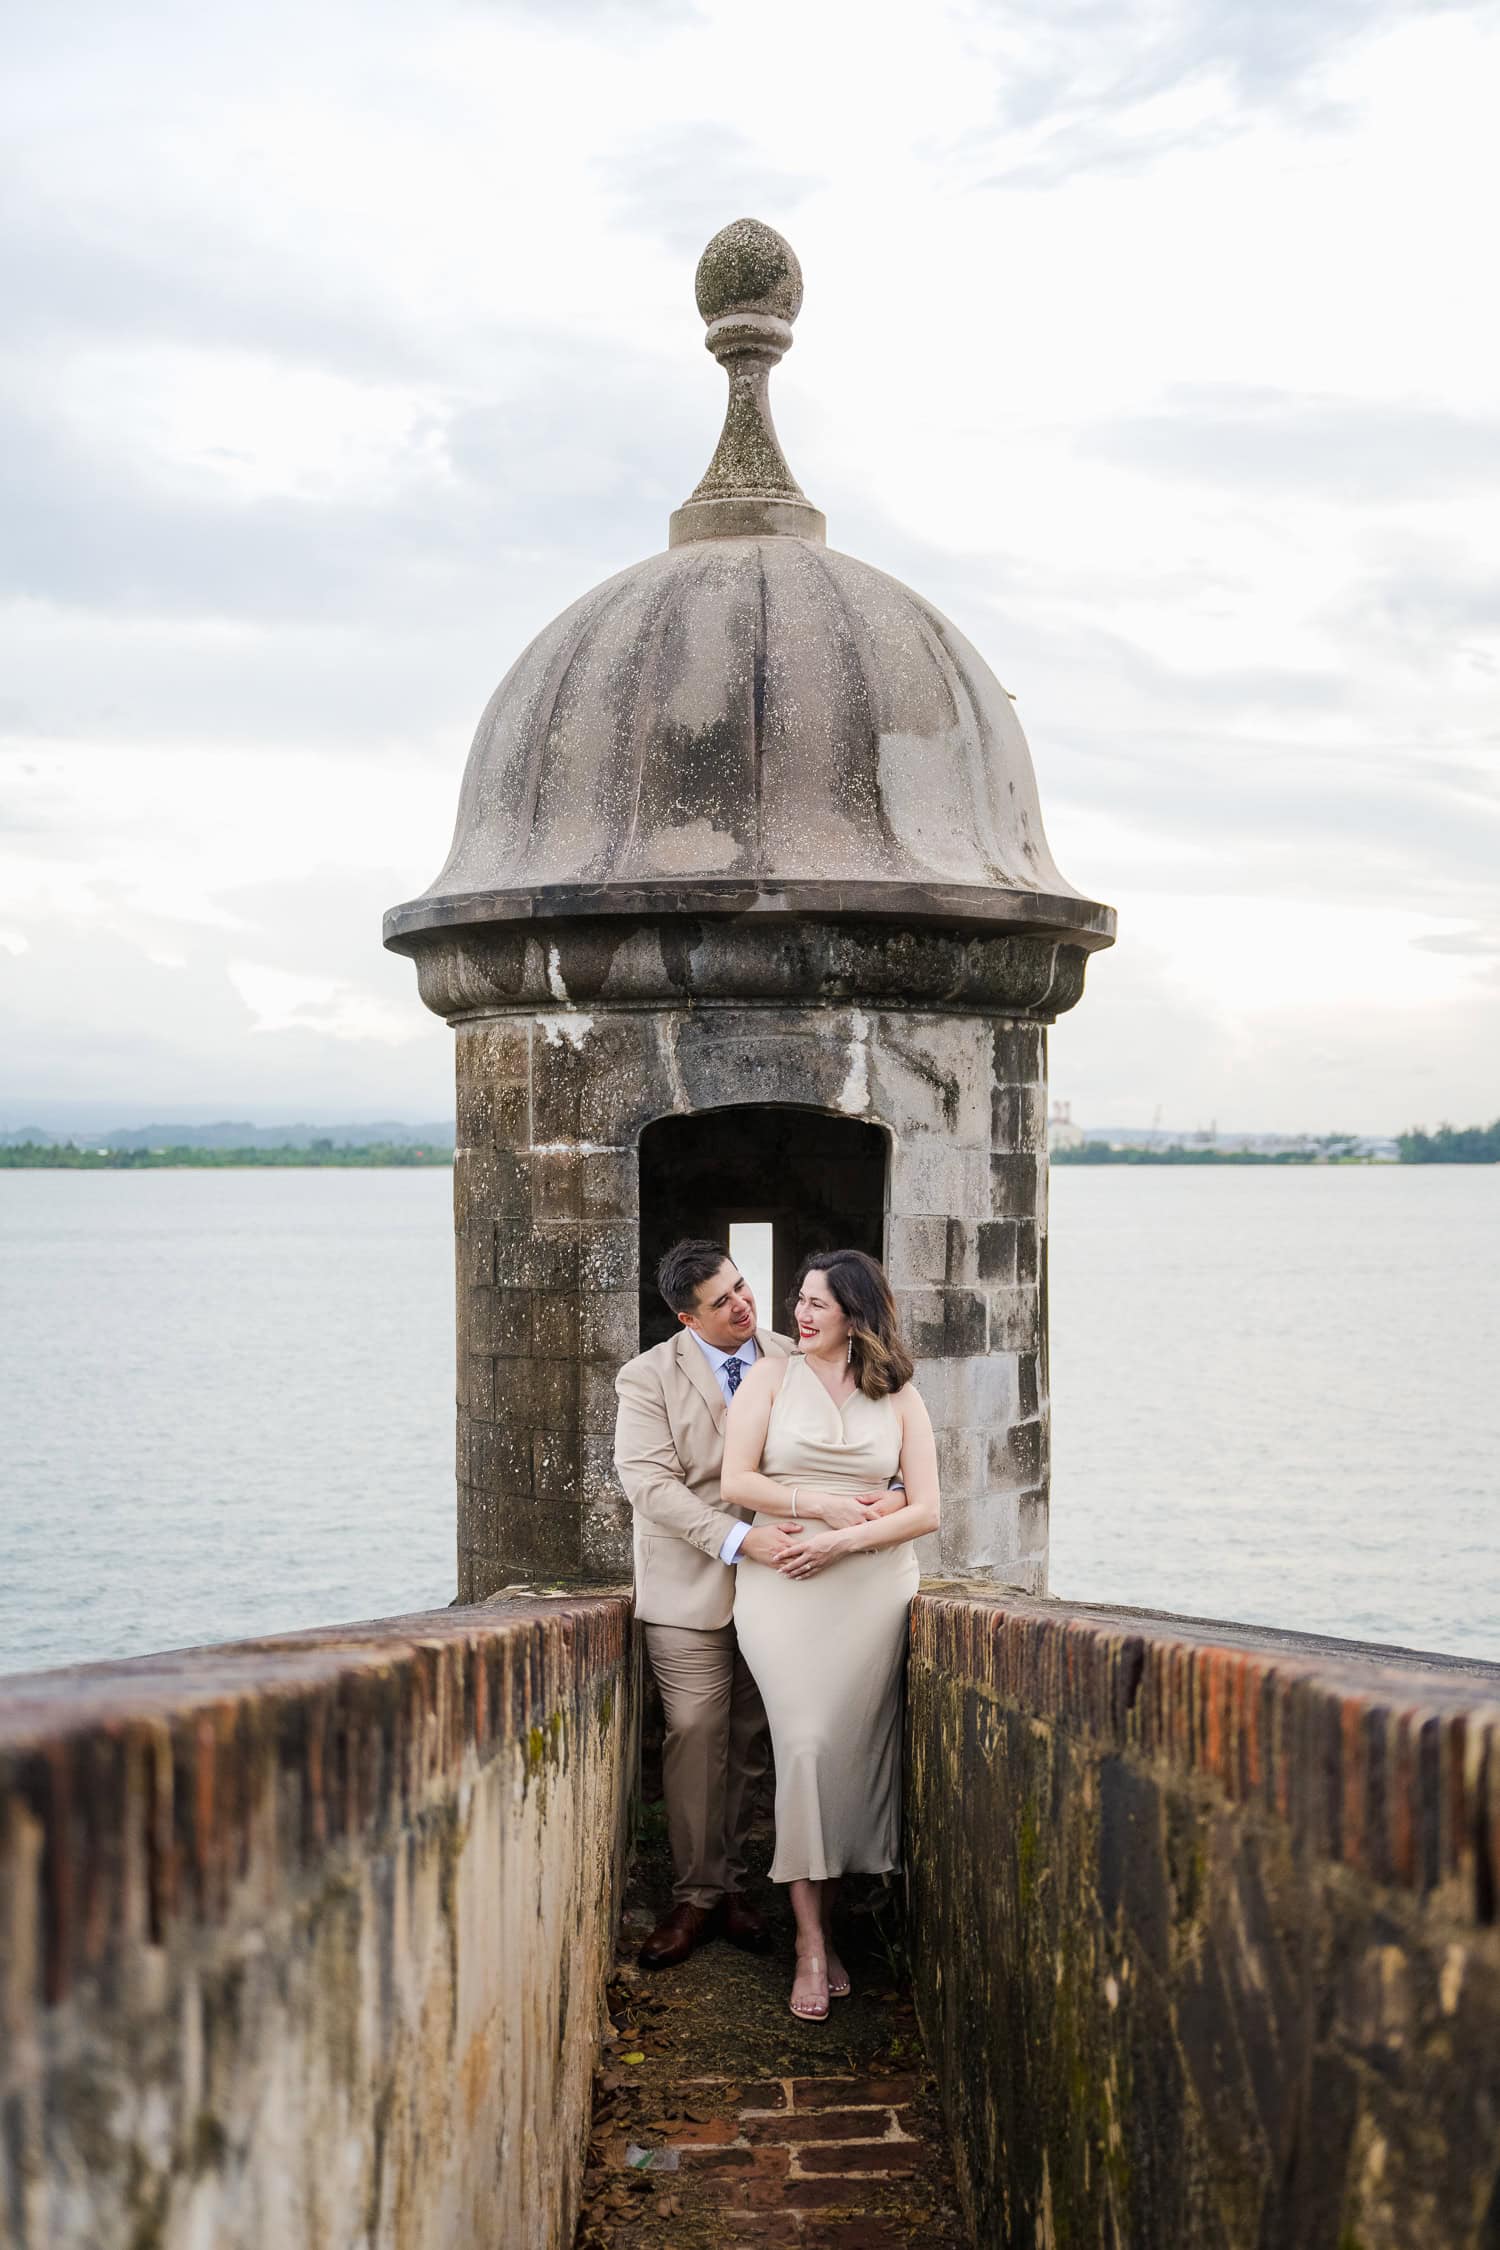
(1104, 1152)
(1470, 1144)
(37, 1156)
(1450, 1144)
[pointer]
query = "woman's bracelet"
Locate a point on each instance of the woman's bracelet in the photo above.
(796, 1488)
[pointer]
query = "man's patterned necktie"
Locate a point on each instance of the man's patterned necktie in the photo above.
(733, 1375)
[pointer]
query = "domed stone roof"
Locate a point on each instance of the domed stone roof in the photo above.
(750, 721)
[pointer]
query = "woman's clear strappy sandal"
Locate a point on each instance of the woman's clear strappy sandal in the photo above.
(806, 1962)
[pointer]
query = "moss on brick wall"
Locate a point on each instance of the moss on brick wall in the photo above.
(304, 1941)
(1202, 1923)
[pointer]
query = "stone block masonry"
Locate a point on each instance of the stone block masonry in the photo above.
(551, 1107)
(303, 1941)
(1203, 1920)
(750, 825)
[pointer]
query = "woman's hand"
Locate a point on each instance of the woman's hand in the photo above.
(805, 1557)
(841, 1511)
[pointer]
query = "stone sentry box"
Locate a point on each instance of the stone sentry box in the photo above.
(749, 836)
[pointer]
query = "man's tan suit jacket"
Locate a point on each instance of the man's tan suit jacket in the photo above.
(669, 1450)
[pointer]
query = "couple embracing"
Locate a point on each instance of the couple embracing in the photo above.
(777, 1487)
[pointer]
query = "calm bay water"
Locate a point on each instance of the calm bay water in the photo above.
(1275, 1396)
(228, 1405)
(227, 1401)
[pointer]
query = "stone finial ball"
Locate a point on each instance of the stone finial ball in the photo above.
(748, 267)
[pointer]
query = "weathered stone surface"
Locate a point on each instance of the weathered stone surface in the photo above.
(749, 720)
(1203, 1921)
(751, 826)
(741, 951)
(303, 1941)
(751, 715)
(549, 1245)
(749, 291)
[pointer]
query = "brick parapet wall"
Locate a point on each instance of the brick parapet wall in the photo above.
(1203, 1924)
(256, 1908)
(1389, 1763)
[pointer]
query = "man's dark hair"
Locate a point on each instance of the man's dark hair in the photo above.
(685, 1268)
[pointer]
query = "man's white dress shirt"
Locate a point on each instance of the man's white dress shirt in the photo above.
(747, 1354)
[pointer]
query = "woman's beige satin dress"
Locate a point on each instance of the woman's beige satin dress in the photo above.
(828, 1653)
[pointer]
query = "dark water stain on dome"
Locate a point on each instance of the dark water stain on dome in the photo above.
(764, 710)
(751, 707)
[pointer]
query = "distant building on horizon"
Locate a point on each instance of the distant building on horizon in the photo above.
(1061, 1131)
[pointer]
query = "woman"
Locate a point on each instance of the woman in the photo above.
(824, 1631)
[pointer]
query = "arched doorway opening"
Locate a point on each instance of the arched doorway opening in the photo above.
(773, 1184)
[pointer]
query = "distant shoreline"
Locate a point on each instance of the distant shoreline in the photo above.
(1103, 1152)
(52, 1156)
(1450, 1144)
(37, 1156)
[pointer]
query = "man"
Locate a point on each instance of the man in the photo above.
(669, 1447)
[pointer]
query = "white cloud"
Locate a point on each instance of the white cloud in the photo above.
(345, 347)
(280, 1000)
(244, 426)
(1254, 955)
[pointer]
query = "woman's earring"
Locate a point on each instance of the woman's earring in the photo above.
(849, 1354)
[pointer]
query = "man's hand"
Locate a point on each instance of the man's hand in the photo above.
(768, 1542)
(878, 1504)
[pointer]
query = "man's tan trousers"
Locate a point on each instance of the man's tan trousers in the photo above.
(717, 1749)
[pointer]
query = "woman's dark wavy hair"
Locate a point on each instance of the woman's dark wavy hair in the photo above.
(859, 1288)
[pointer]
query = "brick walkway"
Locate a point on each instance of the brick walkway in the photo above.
(722, 2123)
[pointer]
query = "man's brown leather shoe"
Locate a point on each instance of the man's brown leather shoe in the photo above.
(743, 1926)
(674, 1938)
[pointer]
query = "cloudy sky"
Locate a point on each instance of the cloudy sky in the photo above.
(1157, 343)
